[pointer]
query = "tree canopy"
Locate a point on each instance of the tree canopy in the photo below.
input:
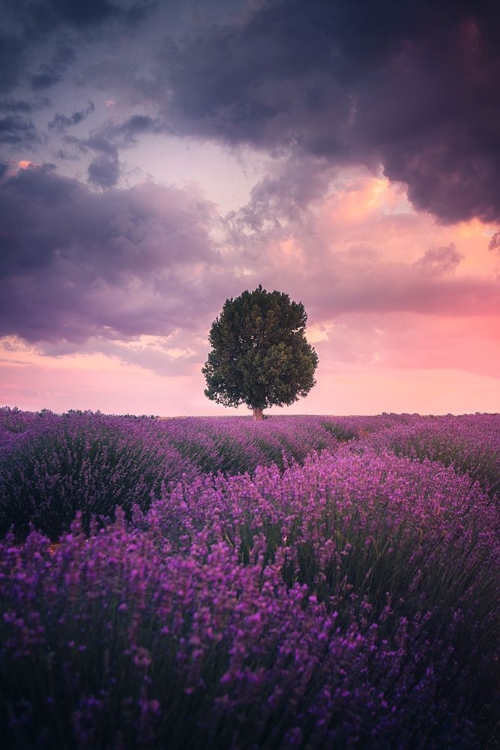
(260, 356)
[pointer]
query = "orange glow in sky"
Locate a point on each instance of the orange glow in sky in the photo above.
(363, 242)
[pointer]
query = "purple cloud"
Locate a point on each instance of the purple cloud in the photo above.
(61, 122)
(414, 87)
(17, 130)
(53, 71)
(439, 260)
(350, 282)
(12, 58)
(104, 171)
(77, 264)
(47, 15)
(494, 243)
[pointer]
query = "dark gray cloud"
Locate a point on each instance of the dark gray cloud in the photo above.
(39, 41)
(92, 12)
(96, 12)
(23, 106)
(100, 143)
(17, 127)
(104, 171)
(104, 168)
(121, 77)
(36, 19)
(135, 126)
(53, 70)
(61, 122)
(76, 264)
(17, 130)
(414, 86)
(12, 59)
(284, 195)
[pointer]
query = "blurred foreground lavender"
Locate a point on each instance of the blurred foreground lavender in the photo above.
(293, 583)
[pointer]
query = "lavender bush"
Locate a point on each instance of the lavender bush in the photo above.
(87, 463)
(110, 642)
(342, 596)
(236, 445)
(356, 530)
(469, 443)
(53, 466)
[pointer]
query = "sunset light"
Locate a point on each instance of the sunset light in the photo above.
(250, 374)
(152, 169)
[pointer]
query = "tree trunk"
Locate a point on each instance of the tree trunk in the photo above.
(257, 413)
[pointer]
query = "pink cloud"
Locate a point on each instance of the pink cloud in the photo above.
(398, 305)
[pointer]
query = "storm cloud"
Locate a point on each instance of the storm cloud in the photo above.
(77, 264)
(12, 57)
(351, 150)
(18, 130)
(37, 19)
(53, 70)
(104, 171)
(61, 122)
(412, 86)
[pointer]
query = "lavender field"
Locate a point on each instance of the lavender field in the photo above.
(302, 582)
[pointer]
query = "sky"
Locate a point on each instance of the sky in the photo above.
(158, 157)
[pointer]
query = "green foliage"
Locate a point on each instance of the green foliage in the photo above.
(260, 356)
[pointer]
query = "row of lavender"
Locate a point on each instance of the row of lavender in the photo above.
(51, 466)
(349, 600)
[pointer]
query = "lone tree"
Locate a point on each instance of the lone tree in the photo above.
(260, 356)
